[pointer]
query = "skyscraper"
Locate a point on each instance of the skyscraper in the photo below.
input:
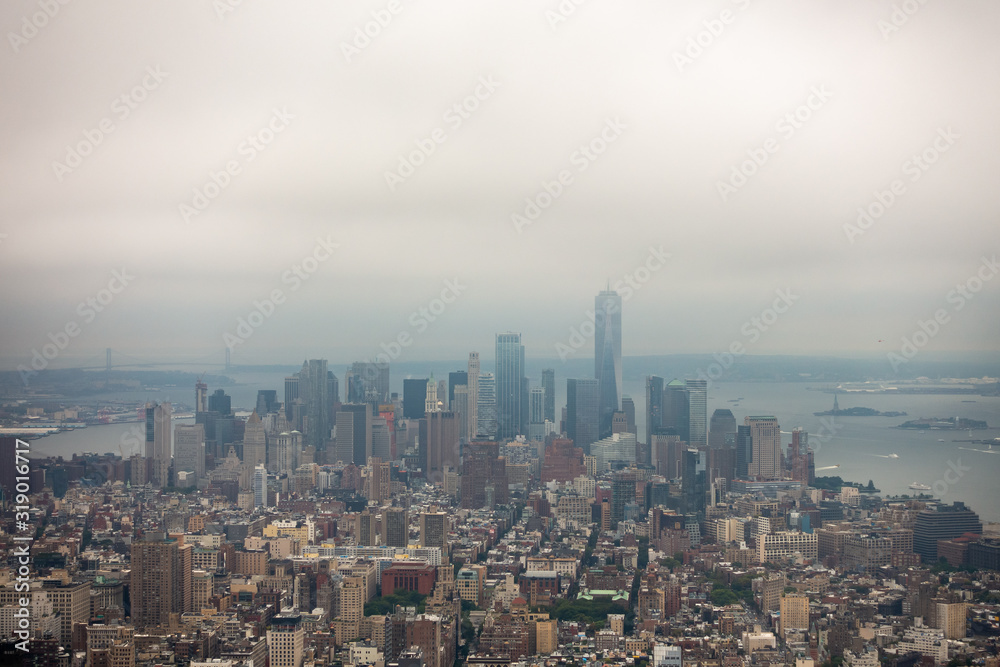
(460, 405)
(395, 527)
(744, 451)
(536, 405)
(693, 484)
(434, 530)
(313, 390)
(158, 437)
(676, 409)
(697, 412)
(291, 393)
(484, 476)
(439, 444)
(654, 406)
(765, 437)
(220, 402)
(259, 486)
(368, 382)
(189, 449)
(366, 529)
(414, 397)
(628, 408)
(254, 441)
(582, 412)
(549, 385)
(942, 523)
(332, 387)
(510, 386)
(473, 414)
(354, 433)
(161, 580)
(608, 354)
(431, 401)
(381, 438)
(455, 379)
(267, 401)
(200, 396)
(285, 639)
(486, 409)
(723, 424)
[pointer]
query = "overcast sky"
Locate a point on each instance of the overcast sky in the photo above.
(182, 85)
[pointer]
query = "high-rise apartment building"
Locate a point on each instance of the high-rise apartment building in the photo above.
(366, 529)
(259, 486)
(434, 530)
(511, 386)
(608, 355)
(583, 412)
(395, 527)
(794, 612)
(161, 580)
(285, 639)
(484, 476)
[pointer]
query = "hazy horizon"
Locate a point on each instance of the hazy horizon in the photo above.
(792, 179)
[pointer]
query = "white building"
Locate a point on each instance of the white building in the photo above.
(784, 545)
(666, 656)
(926, 641)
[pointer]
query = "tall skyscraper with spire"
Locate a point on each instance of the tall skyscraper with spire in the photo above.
(511, 387)
(608, 354)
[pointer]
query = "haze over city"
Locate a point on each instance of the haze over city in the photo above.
(510, 159)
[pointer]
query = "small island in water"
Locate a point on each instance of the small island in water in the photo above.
(944, 423)
(855, 412)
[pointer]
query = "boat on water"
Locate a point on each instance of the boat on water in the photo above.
(916, 486)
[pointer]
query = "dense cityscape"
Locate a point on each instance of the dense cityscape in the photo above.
(470, 520)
